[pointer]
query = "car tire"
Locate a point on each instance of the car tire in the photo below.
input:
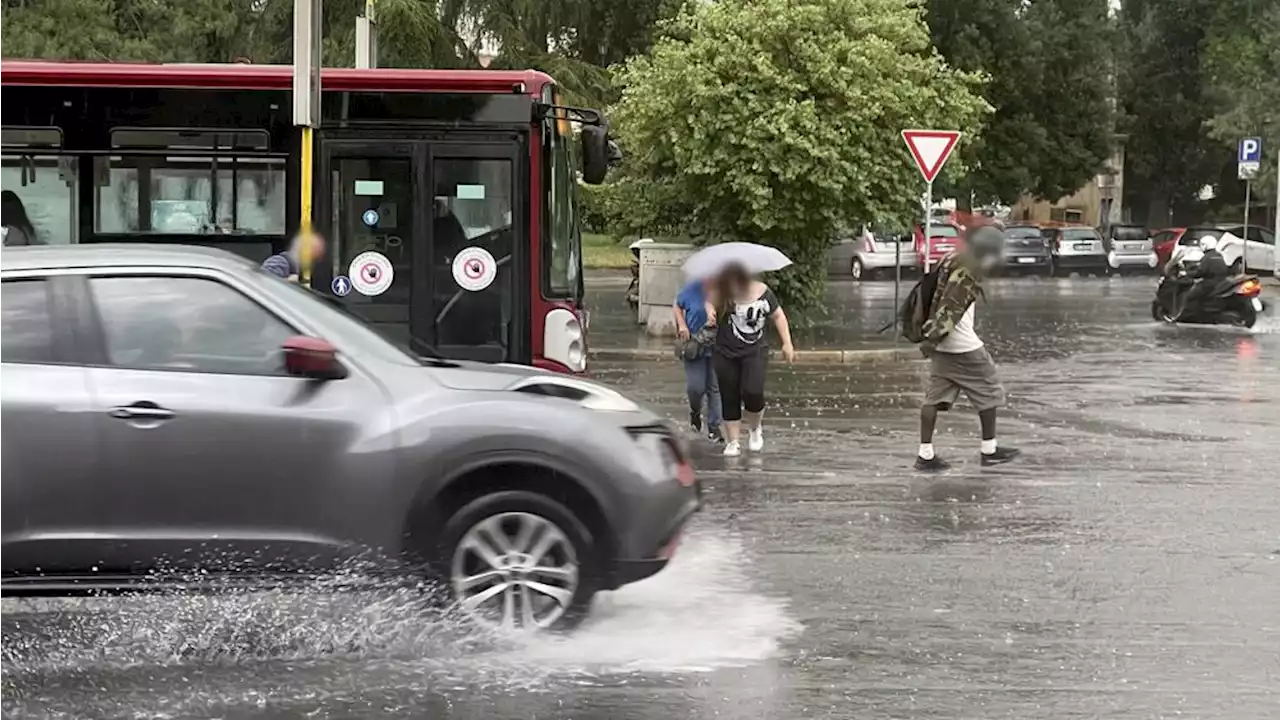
(501, 516)
(858, 270)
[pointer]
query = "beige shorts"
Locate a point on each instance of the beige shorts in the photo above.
(972, 373)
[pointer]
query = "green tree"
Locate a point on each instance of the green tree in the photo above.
(574, 40)
(1048, 67)
(778, 122)
(1169, 155)
(1241, 68)
(991, 37)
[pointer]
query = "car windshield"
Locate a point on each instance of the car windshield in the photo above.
(1027, 233)
(1192, 235)
(1129, 233)
(943, 231)
(1080, 234)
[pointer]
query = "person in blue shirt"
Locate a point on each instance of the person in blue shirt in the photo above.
(288, 264)
(692, 310)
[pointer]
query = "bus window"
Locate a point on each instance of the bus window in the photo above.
(39, 199)
(189, 195)
(561, 241)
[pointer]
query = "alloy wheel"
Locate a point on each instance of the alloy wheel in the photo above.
(515, 570)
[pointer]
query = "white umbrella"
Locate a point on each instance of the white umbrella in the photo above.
(712, 260)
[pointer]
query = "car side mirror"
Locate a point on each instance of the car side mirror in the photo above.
(312, 357)
(598, 153)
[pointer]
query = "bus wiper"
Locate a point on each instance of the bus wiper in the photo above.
(427, 352)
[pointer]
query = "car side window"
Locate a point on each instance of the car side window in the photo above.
(187, 324)
(27, 326)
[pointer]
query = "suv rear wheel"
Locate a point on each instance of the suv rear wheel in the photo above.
(519, 561)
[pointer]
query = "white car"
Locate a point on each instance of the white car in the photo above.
(1261, 248)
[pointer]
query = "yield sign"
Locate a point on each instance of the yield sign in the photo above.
(930, 148)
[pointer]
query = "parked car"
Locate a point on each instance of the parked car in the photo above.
(944, 238)
(872, 252)
(1129, 249)
(1166, 241)
(1025, 250)
(1259, 243)
(1077, 248)
(175, 417)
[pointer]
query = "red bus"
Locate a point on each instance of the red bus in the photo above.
(422, 166)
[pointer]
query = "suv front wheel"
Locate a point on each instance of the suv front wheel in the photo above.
(519, 561)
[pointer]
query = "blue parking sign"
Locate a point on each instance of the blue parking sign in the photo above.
(1250, 150)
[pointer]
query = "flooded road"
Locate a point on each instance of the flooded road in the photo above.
(1128, 566)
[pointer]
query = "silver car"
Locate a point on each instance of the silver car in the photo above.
(173, 416)
(871, 252)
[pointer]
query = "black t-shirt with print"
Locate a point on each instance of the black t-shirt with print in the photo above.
(742, 332)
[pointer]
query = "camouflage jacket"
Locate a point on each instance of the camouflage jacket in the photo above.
(959, 286)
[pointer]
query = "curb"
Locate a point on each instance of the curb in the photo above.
(803, 357)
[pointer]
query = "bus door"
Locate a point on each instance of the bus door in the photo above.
(446, 216)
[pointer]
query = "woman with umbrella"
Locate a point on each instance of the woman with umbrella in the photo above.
(744, 305)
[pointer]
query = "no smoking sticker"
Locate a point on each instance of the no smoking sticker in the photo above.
(474, 269)
(371, 273)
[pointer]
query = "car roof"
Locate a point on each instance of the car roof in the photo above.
(43, 257)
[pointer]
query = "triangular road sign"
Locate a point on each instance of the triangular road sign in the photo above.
(930, 148)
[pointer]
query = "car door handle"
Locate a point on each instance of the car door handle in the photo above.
(140, 412)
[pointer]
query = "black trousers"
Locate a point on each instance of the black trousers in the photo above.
(741, 383)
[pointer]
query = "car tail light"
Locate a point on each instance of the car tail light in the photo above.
(1250, 287)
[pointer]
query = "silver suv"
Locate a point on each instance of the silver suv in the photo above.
(174, 416)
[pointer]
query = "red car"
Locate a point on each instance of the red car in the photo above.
(1165, 241)
(944, 238)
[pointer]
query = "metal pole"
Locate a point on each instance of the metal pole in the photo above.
(928, 224)
(367, 36)
(1244, 241)
(306, 114)
(1276, 262)
(897, 284)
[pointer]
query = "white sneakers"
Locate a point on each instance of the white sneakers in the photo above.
(755, 443)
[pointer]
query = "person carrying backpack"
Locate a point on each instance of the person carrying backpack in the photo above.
(939, 315)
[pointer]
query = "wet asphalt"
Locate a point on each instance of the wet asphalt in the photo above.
(1127, 566)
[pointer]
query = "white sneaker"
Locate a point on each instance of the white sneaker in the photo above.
(755, 439)
(733, 448)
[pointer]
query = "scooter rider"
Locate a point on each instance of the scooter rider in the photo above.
(1212, 265)
(1211, 269)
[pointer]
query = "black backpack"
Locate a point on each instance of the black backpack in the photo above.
(917, 307)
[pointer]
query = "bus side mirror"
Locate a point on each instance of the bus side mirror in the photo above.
(595, 154)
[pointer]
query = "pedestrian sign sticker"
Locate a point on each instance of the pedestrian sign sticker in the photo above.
(474, 269)
(930, 149)
(371, 273)
(341, 286)
(370, 217)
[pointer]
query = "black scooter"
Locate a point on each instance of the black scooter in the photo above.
(1230, 301)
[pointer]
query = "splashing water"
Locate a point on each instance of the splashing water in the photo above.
(700, 614)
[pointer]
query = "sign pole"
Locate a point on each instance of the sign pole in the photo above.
(306, 115)
(1244, 241)
(928, 225)
(897, 286)
(1276, 261)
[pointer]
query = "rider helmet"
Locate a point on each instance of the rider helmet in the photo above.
(1208, 242)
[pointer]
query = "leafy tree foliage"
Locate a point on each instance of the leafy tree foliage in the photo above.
(1048, 64)
(574, 40)
(1169, 155)
(778, 122)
